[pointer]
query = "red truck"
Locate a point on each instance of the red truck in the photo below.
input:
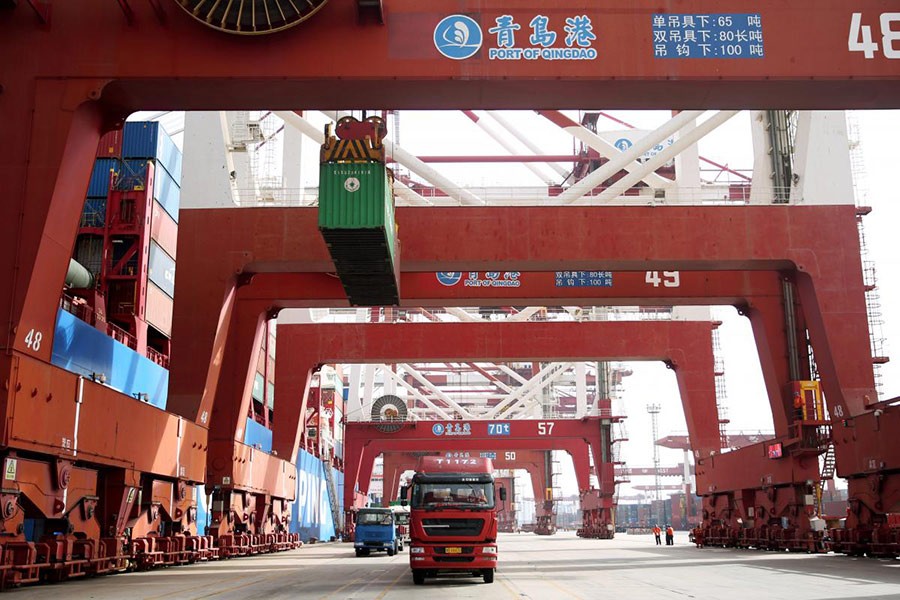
(453, 518)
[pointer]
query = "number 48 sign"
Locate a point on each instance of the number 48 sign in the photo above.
(860, 38)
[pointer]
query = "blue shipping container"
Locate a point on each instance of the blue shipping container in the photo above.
(161, 269)
(148, 140)
(258, 435)
(311, 512)
(203, 504)
(99, 185)
(80, 348)
(133, 175)
(165, 190)
(94, 212)
(167, 193)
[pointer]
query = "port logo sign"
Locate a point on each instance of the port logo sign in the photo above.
(458, 37)
(452, 429)
(449, 278)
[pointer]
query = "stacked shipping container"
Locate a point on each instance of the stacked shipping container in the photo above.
(131, 300)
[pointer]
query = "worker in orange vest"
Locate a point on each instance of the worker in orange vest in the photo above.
(798, 406)
(670, 536)
(657, 532)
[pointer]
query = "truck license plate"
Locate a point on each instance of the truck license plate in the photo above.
(453, 550)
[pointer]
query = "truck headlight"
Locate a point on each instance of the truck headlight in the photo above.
(416, 550)
(489, 550)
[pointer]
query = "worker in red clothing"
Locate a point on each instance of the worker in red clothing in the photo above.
(670, 536)
(657, 532)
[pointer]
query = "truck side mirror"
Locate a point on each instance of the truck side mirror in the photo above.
(503, 494)
(404, 493)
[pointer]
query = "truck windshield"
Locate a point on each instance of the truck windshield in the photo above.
(465, 494)
(374, 518)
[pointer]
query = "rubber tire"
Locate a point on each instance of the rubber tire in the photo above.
(361, 552)
(488, 575)
(418, 577)
(391, 551)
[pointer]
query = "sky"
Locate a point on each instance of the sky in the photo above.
(747, 407)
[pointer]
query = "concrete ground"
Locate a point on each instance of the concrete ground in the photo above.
(531, 567)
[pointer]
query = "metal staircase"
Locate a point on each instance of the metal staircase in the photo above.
(336, 513)
(827, 473)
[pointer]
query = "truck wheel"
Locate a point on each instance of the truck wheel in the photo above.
(391, 551)
(488, 575)
(359, 552)
(418, 576)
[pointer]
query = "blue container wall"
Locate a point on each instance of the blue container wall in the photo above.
(161, 269)
(133, 173)
(167, 192)
(258, 435)
(99, 184)
(94, 212)
(82, 349)
(146, 139)
(203, 503)
(165, 189)
(311, 512)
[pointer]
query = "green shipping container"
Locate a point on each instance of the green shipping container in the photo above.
(357, 196)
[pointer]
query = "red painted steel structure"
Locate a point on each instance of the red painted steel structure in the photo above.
(685, 346)
(56, 108)
(756, 248)
(534, 462)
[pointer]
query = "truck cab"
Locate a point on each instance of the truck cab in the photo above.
(401, 516)
(376, 529)
(453, 518)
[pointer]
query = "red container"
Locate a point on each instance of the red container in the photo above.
(163, 229)
(159, 309)
(110, 145)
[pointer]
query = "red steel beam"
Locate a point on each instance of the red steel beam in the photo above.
(760, 238)
(364, 442)
(403, 69)
(686, 346)
(533, 461)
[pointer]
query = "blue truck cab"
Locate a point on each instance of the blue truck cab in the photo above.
(376, 529)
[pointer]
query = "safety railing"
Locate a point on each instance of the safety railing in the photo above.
(724, 194)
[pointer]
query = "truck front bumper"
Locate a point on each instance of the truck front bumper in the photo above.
(453, 558)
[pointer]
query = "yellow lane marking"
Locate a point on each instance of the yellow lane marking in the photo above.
(392, 584)
(509, 589)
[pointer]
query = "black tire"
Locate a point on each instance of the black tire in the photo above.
(360, 551)
(391, 552)
(488, 575)
(418, 576)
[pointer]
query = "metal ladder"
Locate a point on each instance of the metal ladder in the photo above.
(828, 469)
(336, 513)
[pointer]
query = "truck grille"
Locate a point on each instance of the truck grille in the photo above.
(454, 559)
(453, 527)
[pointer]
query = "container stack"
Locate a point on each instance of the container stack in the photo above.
(145, 143)
(128, 234)
(356, 212)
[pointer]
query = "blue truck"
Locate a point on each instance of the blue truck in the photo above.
(376, 529)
